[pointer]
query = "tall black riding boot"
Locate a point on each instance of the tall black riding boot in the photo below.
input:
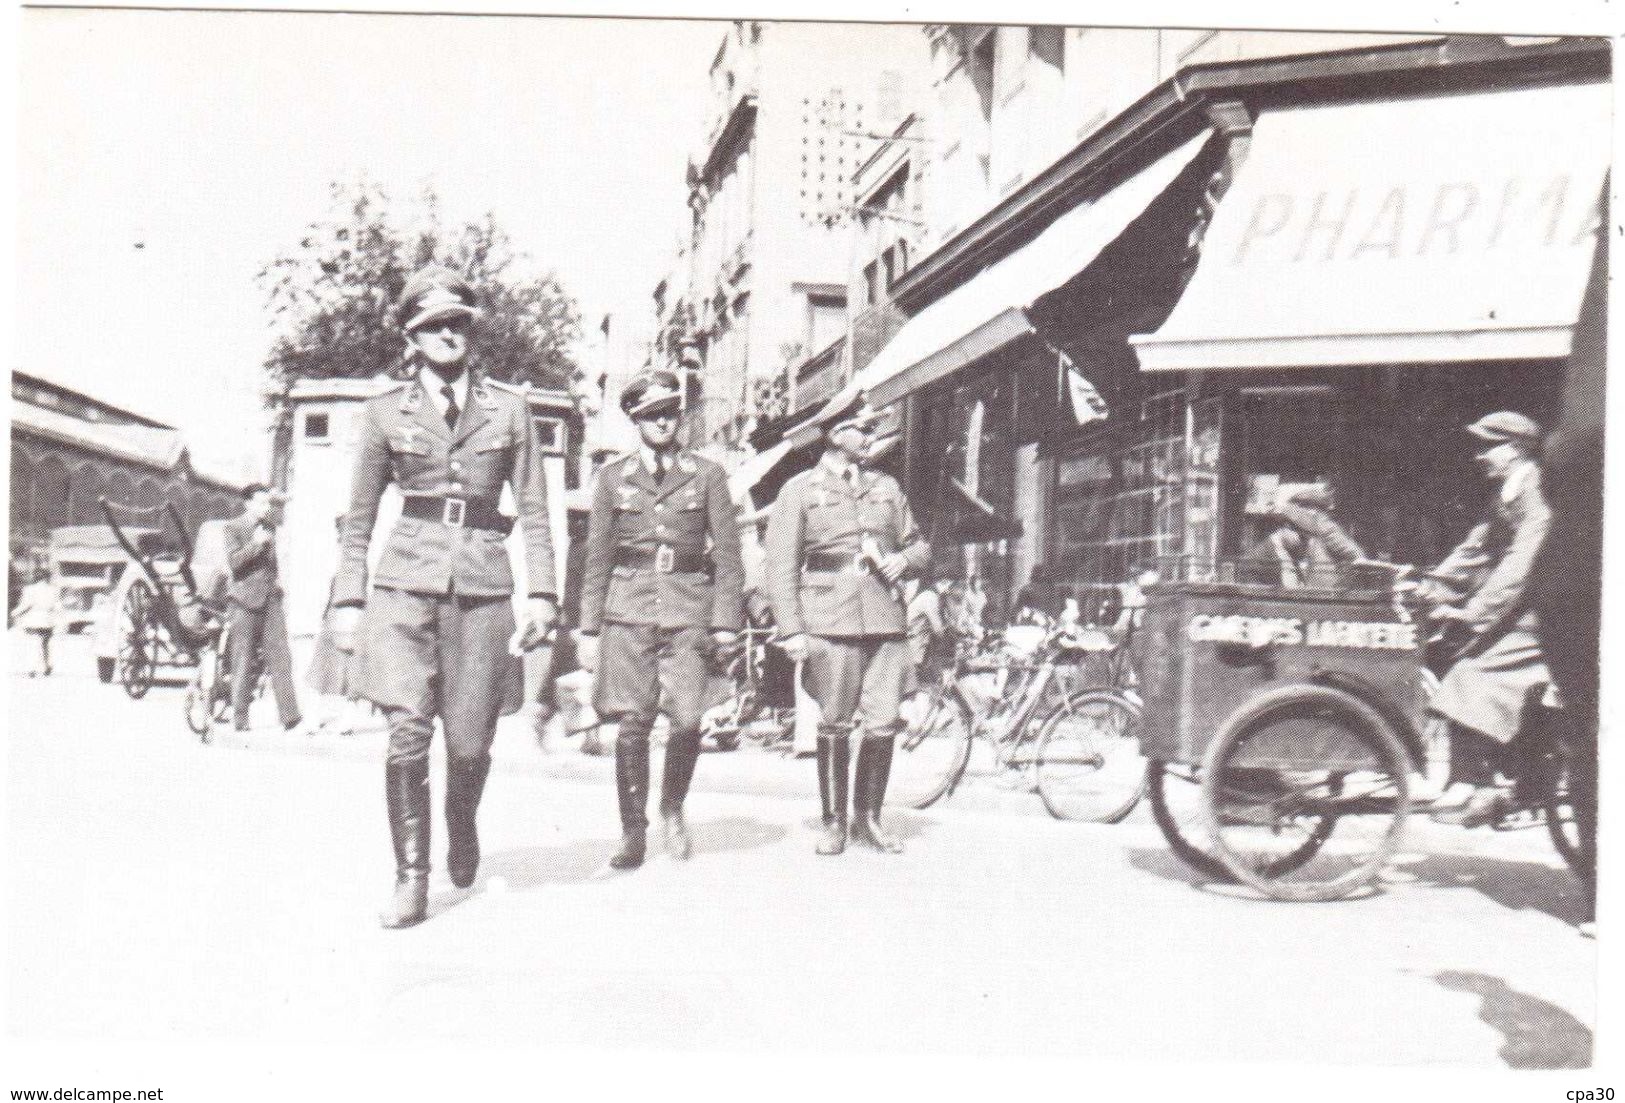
(465, 783)
(406, 793)
(834, 754)
(632, 793)
(874, 771)
(682, 752)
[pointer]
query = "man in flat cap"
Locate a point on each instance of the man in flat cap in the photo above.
(435, 635)
(258, 630)
(1480, 591)
(839, 543)
(661, 591)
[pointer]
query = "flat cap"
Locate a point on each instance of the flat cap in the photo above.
(651, 392)
(1505, 425)
(434, 293)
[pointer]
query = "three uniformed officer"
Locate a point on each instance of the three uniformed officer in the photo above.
(840, 541)
(662, 588)
(434, 637)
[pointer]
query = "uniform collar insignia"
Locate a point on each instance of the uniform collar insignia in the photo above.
(686, 464)
(412, 398)
(409, 433)
(482, 395)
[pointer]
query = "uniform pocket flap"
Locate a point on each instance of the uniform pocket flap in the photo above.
(408, 526)
(494, 443)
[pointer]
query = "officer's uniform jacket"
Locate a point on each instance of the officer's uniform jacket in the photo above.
(818, 512)
(691, 513)
(404, 440)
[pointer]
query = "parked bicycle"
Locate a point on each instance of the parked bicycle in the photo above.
(760, 704)
(1078, 749)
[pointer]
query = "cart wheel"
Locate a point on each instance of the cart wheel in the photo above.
(932, 751)
(1176, 805)
(1089, 763)
(1270, 818)
(137, 651)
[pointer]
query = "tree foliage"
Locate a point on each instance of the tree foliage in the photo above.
(332, 298)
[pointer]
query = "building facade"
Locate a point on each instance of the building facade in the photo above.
(69, 450)
(763, 273)
(1073, 360)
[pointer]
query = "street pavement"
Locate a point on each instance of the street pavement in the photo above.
(166, 890)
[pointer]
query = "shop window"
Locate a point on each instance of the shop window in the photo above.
(551, 434)
(1120, 501)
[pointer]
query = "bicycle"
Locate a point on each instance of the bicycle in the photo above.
(1080, 755)
(749, 711)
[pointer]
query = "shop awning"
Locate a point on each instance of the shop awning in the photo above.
(755, 468)
(988, 311)
(1440, 229)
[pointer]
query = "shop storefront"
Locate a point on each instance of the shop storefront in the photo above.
(1377, 276)
(1316, 276)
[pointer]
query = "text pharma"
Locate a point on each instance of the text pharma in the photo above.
(1416, 220)
(1291, 632)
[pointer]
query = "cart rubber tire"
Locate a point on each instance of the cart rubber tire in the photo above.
(929, 763)
(1189, 850)
(1368, 726)
(1117, 768)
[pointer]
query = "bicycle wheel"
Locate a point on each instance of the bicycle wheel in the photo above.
(931, 753)
(1571, 810)
(1089, 764)
(1271, 820)
(1176, 806)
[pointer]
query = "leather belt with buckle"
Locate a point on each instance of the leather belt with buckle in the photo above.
(662, 558)
(836, 561)
(456, 512)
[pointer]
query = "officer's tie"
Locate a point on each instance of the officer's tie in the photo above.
(660, 468)
(452, 411)
(852, 480)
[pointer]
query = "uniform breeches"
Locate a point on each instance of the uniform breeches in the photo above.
(422, 655)
(867, 675)
(644, 670)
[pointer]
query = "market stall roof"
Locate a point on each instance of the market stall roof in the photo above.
(1447, 228)
(988, 311)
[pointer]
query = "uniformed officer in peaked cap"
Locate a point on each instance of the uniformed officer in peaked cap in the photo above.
(839, 543)
(433, 634)
(662, 589)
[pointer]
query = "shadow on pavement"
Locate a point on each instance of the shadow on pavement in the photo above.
(1538, 1035)
(1163, 863)
(1514, 885)
(586, 860)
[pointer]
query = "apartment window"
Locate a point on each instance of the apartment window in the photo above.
(551, 434)
(318, 428)
(826, 319)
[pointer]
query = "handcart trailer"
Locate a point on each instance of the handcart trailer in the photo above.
(1297, 713)
(166, 622)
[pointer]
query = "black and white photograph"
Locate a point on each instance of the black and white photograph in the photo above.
(852, 553)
